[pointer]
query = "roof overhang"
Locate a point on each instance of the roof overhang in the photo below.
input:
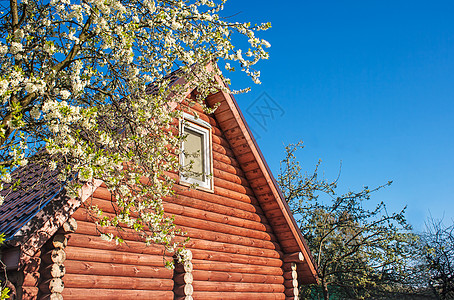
(265, 187)
(35, 233)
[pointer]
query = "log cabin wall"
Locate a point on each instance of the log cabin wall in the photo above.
(25, 281)
(96, 269)
(235, 252)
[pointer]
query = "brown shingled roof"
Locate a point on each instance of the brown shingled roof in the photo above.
(38, 186)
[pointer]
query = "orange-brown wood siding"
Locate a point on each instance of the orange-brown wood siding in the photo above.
(235, 252)
(31, 277)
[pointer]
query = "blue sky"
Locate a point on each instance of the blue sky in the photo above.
(368, 83)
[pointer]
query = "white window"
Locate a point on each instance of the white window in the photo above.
(196, 157)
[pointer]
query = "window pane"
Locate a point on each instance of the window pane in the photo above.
(193, 151)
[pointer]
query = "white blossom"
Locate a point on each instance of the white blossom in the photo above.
(49, 47)
(19, 34)
(52, 165)
(3, 50)
(107, 236)
(65, 94)
(266, 43)
(16, 47)
(61, 177)
(3, 86)
(30, 87)
(7, 178)
(22, 162)
(35, 113)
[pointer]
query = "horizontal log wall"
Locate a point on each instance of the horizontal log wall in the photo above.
(235, 252)
(31, 279)
(96, 269)
(236, 132)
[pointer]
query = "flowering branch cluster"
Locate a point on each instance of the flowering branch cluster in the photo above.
(73, 81)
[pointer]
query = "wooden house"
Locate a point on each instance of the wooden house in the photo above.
(245, 243)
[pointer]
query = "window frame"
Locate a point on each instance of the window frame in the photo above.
(204, 128)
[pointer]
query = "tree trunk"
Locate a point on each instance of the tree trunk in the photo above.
(325, 290)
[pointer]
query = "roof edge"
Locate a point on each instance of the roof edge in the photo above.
(273, 183)
(40, 236)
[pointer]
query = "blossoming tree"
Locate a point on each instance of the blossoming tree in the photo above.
(73, 90)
